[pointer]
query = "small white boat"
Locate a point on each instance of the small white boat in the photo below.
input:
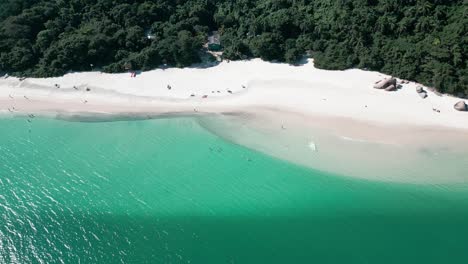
(312, 146)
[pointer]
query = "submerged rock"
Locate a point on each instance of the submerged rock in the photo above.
(461, 106)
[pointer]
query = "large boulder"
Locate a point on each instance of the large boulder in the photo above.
(385, 83)
(461, 106)
(391, 88)
(423, 95)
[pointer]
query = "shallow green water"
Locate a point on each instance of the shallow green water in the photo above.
(167, 191)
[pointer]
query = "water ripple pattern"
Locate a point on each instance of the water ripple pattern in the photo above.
(168, 191)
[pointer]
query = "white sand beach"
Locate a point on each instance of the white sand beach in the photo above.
(271, 98)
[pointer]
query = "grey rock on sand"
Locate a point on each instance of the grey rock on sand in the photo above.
(391, 88)
(461, 106)
(385, 83)
(420, 90)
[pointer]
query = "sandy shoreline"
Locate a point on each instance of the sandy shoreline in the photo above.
(280, 101)
(233, 87)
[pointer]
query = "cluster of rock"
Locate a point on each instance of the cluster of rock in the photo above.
(390, 84)
(461, 106)
(421, 92)
(387, 84)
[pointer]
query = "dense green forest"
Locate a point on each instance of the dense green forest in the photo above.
(422, 40)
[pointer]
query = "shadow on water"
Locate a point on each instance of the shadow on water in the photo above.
(305, 238)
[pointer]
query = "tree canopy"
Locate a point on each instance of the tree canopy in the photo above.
(422, 40)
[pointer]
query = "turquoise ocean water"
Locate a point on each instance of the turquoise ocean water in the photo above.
(168, 191)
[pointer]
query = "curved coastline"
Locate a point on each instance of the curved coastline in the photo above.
(276, 105)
